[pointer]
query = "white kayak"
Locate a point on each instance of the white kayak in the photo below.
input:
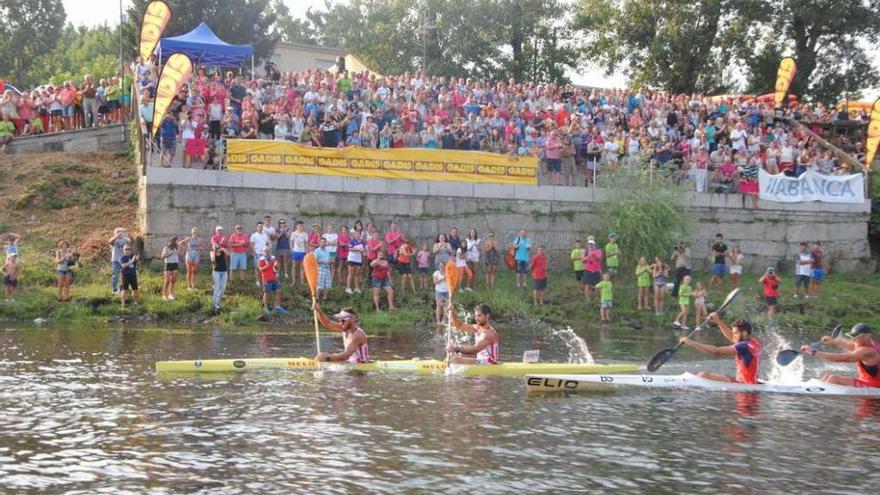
(578, 383)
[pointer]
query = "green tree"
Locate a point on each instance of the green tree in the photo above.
(476, 38)
(647, 213)
(240, 22)
(290, 29)
(679, 46)
(26, 31)
(823, 36)
(80, 51)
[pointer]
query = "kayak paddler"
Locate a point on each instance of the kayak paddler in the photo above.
(486, 342)
(745, 349)
(353, 337)
(863, 349)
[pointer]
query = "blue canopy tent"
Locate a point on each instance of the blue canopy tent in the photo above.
(204, 47)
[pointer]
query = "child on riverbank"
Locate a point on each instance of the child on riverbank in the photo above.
(685, 293)
(128, 270)
(268, 267)
(643, 280)
(423, 258)
(606, 296)
(612, 254)
(699, 303)
(325, 269)
(10, 276)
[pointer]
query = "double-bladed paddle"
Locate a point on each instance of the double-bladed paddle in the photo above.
(785, 357)
(663, 355)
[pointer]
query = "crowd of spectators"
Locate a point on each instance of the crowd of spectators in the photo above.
(716, 145)
(63, 107)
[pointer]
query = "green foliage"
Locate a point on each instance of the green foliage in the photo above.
(80, 51)
(26, 31)
(522, 39)
(647, 213)
(821, 34)
(874, 191)
(239, 22)
(681, 47)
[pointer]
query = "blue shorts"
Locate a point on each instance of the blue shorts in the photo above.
(68, 111)
(554, 165)
(126, 100)
(606, 304)
(380, 284)
(299, 256)
(592, 278)
(270, 286)
(719, 269)
(818, 274)
(522, 266)
(238, 261)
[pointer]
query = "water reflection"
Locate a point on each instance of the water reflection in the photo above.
(81, 410)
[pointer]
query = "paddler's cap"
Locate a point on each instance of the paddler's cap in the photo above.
(343, 314)
(859, 329)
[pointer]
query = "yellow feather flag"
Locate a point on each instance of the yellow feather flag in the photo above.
(784, 76)
(873, 134)
(156, 17)
(176, 71)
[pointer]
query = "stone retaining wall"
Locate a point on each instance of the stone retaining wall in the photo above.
(173, 200)
(113, 138)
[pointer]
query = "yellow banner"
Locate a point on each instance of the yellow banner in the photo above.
(784, 76)
(873, 134)
(247, 155)
(174, 73)
(156, 17)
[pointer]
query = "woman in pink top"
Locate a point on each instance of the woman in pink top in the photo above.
(554, 164)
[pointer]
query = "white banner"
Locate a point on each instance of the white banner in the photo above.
(812, 186)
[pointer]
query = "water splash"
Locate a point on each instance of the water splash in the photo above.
(578, 352)
(791, 374)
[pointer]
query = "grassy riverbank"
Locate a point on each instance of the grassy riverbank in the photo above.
(81, 198)
(846, 298)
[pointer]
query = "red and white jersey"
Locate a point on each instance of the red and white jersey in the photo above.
(362, 353)
(491, 354)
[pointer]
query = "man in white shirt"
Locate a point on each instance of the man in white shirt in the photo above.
(803, 271)
(259, 240)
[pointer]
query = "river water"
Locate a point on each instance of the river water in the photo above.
(81, 411)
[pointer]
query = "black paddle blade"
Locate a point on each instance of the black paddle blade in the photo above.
(784, 358)
(660, 358)
(836, 332)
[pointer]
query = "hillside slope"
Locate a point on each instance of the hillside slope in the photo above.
(77, 197)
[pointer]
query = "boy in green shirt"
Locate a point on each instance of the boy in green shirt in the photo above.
(612, 254)
(685, 294)
(606, 296)
(643, 279)
(577, 260)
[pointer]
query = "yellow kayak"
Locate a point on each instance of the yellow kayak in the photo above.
(417, 366)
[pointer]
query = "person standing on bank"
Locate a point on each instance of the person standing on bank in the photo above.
(771, 290)
(171, 257)
(522, 246)
(718, 252)
(681, 260)
(219, 273)
(117, 242)
(803, 269)
(128, 268)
